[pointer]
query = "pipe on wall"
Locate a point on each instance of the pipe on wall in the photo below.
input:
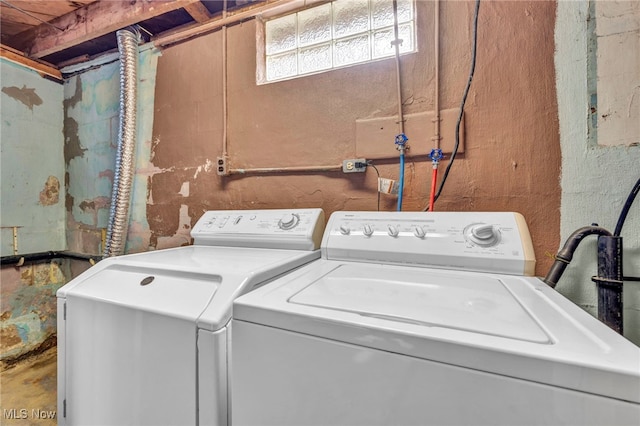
(565, 255)
(401, 139)
(609, 281)
(436, 66)
(286, 169)
(124, 168)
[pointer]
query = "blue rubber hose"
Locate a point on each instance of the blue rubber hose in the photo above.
(401, 181)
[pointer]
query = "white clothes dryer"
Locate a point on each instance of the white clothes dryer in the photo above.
(144, 339)
(426, 319)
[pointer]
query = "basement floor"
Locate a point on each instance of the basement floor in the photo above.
(28, 393)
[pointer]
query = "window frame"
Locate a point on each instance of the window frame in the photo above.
(261, 47)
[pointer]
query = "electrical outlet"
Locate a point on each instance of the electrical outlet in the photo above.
(221, 166)
(354, 165)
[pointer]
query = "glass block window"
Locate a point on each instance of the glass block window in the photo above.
(334, 35)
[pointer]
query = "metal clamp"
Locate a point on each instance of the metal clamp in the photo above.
(607, 282)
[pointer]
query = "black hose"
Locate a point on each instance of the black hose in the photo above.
(19, 259)
(625, 209)
(564, 256)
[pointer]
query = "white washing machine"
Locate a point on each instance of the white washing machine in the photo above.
(426, 319)
(144, 339)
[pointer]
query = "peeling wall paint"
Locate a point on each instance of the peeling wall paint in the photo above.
(511, 119)
(50, 194)
(28, 305)
(27, 96)
(32, 164)
(596, 180)
(91, 118)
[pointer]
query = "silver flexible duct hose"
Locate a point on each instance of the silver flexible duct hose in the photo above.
(124, 168)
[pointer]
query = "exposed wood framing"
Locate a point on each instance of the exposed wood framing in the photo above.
(17, 57)
(19, 15)
(94, 20)
(267, 8)
(198, 12)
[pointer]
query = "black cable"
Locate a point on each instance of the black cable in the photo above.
(464, 100)
(370, 163)
(625, 208)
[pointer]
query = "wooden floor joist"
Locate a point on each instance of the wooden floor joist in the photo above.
(19, 58)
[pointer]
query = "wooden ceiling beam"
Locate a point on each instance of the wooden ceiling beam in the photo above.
(198, 11)
(43, 68)
(89, 22)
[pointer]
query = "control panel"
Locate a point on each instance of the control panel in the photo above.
(476, 241)
(299, 229)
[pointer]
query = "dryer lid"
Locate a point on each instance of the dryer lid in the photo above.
(477, 303)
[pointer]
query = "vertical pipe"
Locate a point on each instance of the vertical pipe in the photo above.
(124, 168)
(224, 84)
(401, 147)
(609, 282)
(436, 65)
(398, 76)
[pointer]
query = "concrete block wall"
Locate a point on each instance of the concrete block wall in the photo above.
(32, 167)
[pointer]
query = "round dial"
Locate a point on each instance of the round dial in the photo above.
(482, 234)
(393, 230)
(419, 232)
(344, 229)
(367, 230)
(289, 221)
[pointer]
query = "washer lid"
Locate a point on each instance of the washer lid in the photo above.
(180, 294)
(197, 283)
(502, 324)
(480, 304)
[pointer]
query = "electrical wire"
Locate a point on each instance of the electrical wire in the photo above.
(625, 208)
(464, 100)
(370, 163)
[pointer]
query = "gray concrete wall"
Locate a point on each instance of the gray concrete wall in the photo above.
(596, 180)
(91, 118)
(32, 166)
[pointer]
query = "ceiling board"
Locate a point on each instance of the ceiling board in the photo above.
(81, 29)
(27, 14)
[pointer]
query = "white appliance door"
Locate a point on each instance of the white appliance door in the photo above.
(130, 348)
(282, 378)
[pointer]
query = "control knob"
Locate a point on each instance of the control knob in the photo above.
(419, 232)
(482, 234)
(367, 230)
(344, 229)
(393, 231)
(289, 221)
